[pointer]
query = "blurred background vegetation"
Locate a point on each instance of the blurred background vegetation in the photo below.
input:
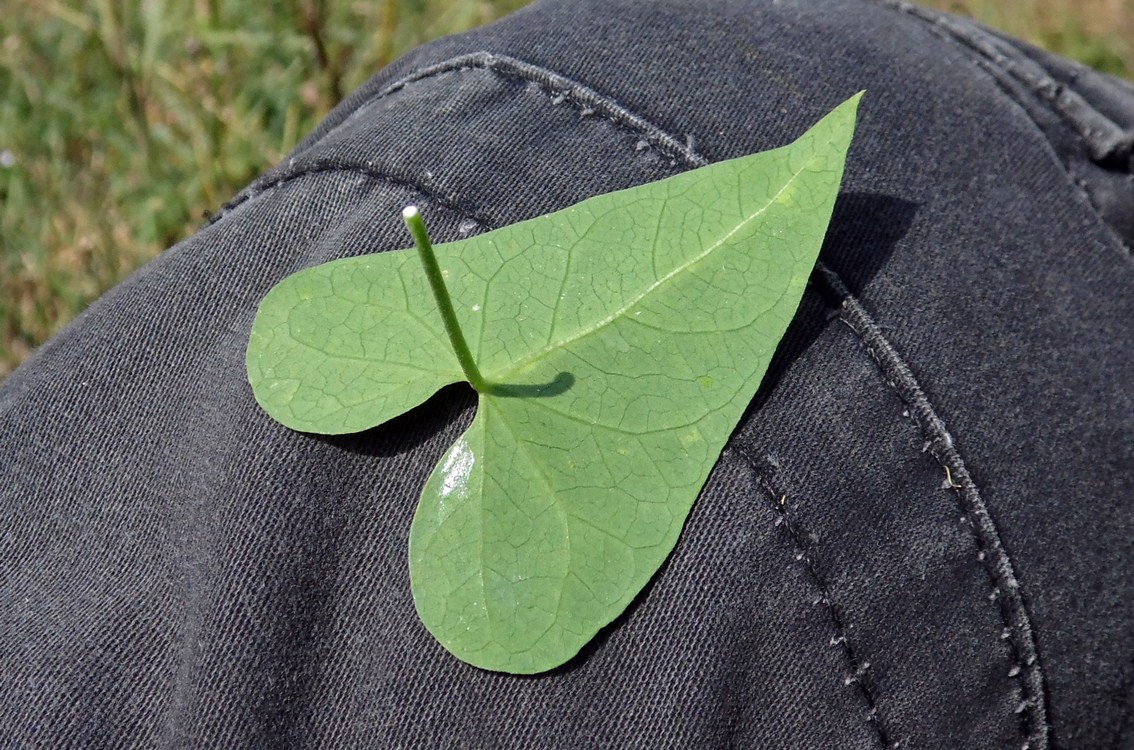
(122, 122)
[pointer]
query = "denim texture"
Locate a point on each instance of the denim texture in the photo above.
(920, 536)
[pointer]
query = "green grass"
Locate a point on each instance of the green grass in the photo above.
(1099, 33)
(123, 123)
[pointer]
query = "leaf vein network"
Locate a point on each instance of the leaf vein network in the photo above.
(587, 330)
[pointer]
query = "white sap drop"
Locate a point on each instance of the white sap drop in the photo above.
(457, 469)
(476, 308)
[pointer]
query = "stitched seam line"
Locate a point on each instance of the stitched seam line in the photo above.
(584, 98)
(332, 166)
(558, 89)
(861, 677)
(1032, 708)
(1104, 138)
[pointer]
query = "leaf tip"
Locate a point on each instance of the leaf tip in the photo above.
(851, 103)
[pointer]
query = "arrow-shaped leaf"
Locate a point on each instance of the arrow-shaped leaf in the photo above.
(621, 340)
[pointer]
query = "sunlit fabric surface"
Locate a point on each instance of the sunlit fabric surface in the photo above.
(919, 537)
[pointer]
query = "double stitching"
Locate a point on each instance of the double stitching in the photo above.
(1032, 708)
(861, 675)
(994, 559)
(1106, 142)
(370, 170)
(558, 89)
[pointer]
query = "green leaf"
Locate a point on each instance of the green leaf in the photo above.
(623, 338)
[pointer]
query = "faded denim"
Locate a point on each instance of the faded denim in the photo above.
(921, 535)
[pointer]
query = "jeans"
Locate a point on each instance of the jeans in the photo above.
(920, 535)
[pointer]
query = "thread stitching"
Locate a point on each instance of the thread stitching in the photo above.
(994, 559)
(861, 675)
(1105, 140)
(556, 88)
(331, 166)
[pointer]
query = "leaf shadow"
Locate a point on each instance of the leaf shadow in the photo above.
(439, 419)
(556, 386)
(865, 229)
(864, 232)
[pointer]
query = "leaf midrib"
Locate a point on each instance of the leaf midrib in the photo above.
(517, 367)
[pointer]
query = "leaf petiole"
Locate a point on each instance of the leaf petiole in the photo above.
(416, 227)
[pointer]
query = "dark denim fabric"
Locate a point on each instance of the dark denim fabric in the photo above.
(921, 536)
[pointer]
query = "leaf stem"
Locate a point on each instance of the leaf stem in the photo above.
(416, 226)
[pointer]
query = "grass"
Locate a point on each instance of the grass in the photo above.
(1099, 33)
(123, 123)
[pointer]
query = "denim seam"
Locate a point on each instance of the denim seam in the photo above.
(555, 86)
(861, 675)
(557, 89)
(1105, 140)
(368, 170)
(1032, 708)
